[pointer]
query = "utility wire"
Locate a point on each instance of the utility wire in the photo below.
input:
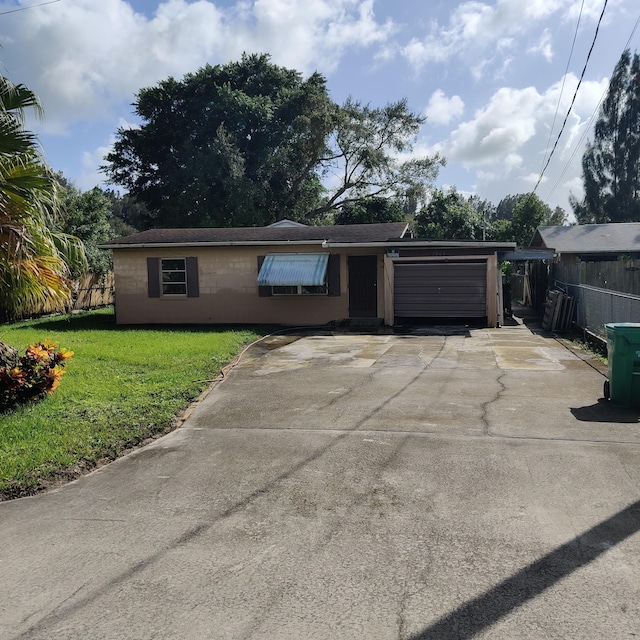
(564, 79)
(590, 120)
(33, 6)
(584, 69)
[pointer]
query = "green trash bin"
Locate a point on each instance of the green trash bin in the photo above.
(623, 349)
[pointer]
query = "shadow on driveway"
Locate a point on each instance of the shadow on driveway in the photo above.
(604, 411)
(481, 612)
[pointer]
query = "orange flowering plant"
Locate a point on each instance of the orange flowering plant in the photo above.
(32, 375)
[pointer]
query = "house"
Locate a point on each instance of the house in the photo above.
(590, 242)
(295, 274)
(599, 265)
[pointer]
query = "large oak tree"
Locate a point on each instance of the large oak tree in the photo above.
(249, 143)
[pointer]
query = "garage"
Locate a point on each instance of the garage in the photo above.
(446, 289)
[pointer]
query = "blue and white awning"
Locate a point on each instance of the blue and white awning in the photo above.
(292, 269)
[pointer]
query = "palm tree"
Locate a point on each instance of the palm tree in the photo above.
(35, 260)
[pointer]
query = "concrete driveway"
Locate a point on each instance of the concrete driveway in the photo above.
(453, 485)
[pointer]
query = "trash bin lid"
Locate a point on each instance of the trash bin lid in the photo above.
(622, 325)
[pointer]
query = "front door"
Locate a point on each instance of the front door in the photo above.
(363, 286)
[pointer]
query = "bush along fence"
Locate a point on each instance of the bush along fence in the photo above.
(28, 377)
(90, 291)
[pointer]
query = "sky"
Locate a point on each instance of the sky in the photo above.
(495, 79)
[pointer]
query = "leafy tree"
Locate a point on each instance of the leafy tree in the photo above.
(87, 215)
(486, 212)
(364, 151)
(249, 143)
(611, 163)
(506, 206)
(35, 260)
(230, 145)
(371, 210)
(448, 216)
(518, 216)
(127, 214)
(500, 231)
(529, 213)
(557, 218)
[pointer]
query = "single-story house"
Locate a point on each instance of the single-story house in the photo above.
(295, 274)
(590, 242)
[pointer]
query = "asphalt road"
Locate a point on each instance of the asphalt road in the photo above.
(463, 484)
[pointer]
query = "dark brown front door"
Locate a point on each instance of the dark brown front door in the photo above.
(363, 286)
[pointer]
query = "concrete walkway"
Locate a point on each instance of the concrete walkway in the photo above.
(459, 484)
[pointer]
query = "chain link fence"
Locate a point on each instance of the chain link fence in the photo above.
(595, 306)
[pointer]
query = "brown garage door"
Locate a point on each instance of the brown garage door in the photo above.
(440, 290)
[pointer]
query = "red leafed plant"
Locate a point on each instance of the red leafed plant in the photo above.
(30, 376)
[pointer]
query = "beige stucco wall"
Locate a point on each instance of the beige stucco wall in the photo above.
(228, 289)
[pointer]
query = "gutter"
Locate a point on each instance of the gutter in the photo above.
(396, 244)
(235, 243)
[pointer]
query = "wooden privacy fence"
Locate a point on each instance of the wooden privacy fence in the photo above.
(92, 291)
(89, 292)
(622, 276)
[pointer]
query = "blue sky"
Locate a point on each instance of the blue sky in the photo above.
(487, 74)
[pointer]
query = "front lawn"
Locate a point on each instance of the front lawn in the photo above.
(122, 386)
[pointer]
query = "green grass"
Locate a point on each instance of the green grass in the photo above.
(591, 349)
(122, 386)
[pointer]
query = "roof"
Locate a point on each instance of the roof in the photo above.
(614, 237)
(286, 223)
(521, 255)
(349, 233)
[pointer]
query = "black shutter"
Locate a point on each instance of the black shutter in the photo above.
(193, 286)
(263, 292)
(333, 274)
(153, 277)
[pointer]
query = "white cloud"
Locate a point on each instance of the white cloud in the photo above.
(505, 141)
(532, 179)
(442, 110)
(82, 57)
(498, 129)
(575, 186)
(90, 175)
(543, 46)
(91, 161)
(481, 33)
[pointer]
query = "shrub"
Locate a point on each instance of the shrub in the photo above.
(32, 375)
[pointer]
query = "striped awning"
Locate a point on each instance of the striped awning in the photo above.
(291, 269)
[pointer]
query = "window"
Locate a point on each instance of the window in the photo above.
(174, 276)
(296, 274)
(300, 290)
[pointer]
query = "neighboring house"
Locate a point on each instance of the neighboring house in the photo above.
(598, 264)
(293, 274)
(591, 242)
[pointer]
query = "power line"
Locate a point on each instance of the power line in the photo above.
(33, 6)
(584, 69)
(564, 79)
